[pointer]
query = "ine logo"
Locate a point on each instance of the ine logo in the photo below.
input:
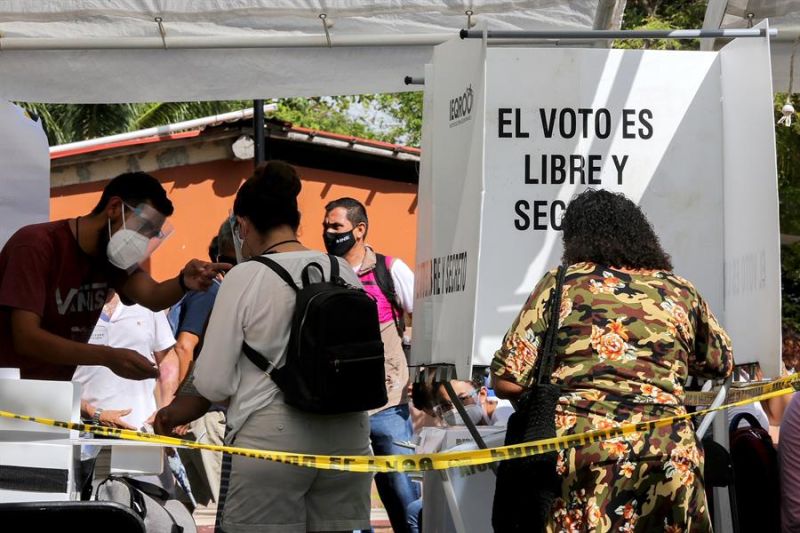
(461, 107)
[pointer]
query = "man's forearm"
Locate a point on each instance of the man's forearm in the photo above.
(145, 291)
(36, 343)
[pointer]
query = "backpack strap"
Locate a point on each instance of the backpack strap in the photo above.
(384, 281)
(738, 417)
(256, 358)
(305, 275)
(334, 267)
(278, 269)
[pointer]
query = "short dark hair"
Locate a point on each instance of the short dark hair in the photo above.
(609, 229)
(213, 249)
(269, 197)
(135, 188)
(225, 237)
(356, 212)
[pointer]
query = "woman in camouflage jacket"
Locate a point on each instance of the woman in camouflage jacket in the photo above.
(630, 333)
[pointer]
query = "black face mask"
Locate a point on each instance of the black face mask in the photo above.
(339, 243)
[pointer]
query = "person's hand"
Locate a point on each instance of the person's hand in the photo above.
(199, 275)
(163, 422)
(182, 430)
(113, 418)
(130, 364)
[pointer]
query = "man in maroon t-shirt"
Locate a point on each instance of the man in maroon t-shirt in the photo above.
(54, 278)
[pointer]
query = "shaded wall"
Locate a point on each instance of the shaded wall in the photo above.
(203, 194)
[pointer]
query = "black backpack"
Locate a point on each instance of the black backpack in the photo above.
(757, 475)
(334, 361)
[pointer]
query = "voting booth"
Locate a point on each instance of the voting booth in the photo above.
(512, 133)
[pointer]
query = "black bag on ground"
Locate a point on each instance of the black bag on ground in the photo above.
(526, 487)
(757, 478)
(150, 502)
(334, 361)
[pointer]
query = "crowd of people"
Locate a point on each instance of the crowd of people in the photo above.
(75, 304)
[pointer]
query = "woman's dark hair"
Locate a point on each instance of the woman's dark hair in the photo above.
(609, 229)
(269, 197)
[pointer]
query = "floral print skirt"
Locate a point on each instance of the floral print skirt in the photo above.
(639, 483)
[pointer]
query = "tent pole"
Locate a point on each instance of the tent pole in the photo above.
(258, 132)
(619, 34)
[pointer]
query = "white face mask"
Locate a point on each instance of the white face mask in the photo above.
(474, 412)
(126, 248)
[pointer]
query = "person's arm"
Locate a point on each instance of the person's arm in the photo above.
(514, 363)
(712, 356)
(506, 389)
(217, 371)
(31, 340)
(196, 308)
(144, 290)
(168, 381)
(184, 348)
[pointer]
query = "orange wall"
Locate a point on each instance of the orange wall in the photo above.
(203, 194)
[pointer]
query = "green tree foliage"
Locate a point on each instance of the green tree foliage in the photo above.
(65, 123)
(393, 118)
(662, 15)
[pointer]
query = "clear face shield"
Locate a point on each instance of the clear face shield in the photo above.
(143, 230)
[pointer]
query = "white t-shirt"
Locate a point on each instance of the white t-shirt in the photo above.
(136, 328)
(254, 305)
(403, 279)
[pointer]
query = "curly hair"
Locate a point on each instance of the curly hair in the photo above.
(791, 348)
(609, 229)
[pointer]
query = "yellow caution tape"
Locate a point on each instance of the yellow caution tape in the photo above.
(422, 462)
(740, 391)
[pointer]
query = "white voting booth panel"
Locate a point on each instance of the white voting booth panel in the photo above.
(514, 133)
(36, 447)
(469, 489)
(24, 172)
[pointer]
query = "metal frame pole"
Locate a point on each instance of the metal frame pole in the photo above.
(258, 132)
(619, 34)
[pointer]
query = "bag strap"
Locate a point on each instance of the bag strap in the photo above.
(278, 269)
(738, 417)
(334, 267)
(554, 307)
(305, 276)
(257, 359)
(384, 281)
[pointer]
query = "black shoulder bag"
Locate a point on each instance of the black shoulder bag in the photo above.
(526, 487)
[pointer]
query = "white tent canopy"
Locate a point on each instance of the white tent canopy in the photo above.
(91, 51)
